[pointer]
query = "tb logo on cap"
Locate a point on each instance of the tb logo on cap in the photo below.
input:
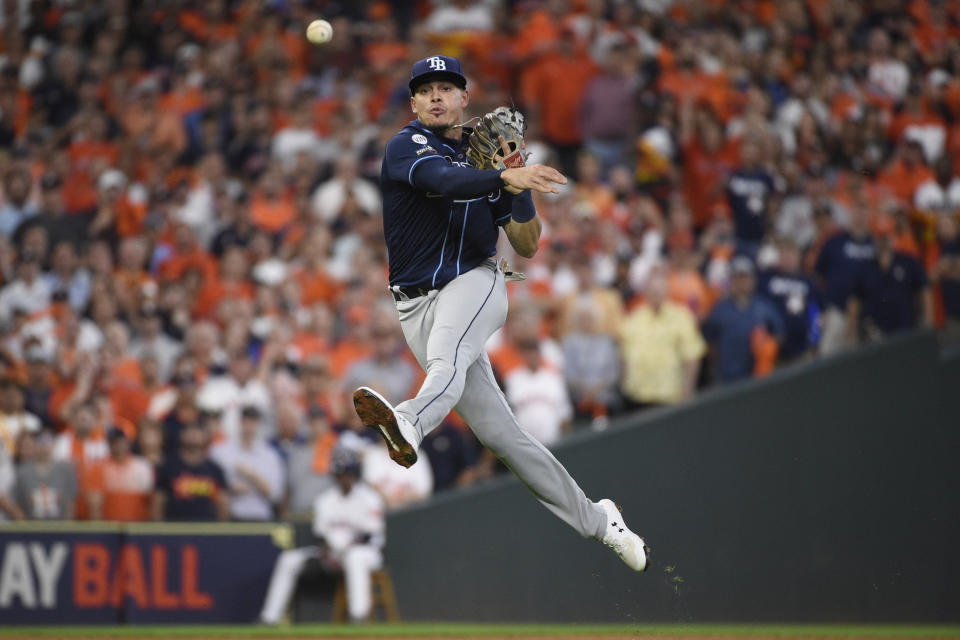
(437, 63)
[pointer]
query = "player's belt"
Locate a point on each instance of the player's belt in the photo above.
(407, 293)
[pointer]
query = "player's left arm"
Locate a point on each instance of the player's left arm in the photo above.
(524, 228)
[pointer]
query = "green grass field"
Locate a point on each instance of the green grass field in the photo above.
(448, 630)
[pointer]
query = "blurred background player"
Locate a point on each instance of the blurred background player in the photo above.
(349, 523)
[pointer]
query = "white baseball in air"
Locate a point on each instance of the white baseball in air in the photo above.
(319, 32)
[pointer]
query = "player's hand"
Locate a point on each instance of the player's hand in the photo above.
(505, 149)
(538, 177)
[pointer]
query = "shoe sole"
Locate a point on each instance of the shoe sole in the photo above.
(376, 414)
(646, 548)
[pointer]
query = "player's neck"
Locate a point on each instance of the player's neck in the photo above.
(450, 133)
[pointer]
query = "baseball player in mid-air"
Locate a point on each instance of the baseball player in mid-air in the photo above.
(447, 189)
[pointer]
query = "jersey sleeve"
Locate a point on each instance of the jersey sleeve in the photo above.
(403, 156)
(421, 166)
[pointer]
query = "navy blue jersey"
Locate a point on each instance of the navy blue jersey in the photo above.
(728, 329)
(797, 299)
(748, 193)
(890, 296)
(440, 216)
(841, 262)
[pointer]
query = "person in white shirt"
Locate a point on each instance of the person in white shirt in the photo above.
(538, 395)
(351, 530)
(254, 470)
(28, 293)
(460, 15)
(238, 389)
(330, 197)
(14, 420)
(398, 485)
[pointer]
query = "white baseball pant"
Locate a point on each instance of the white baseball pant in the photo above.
(447, 330)
(358, 562)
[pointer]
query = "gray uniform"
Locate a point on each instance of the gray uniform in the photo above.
(447, 330)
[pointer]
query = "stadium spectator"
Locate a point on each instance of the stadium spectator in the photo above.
(805, 195)
(290, 433)
(150, 443)
(28, 293)
(796, 297)
(732, 327)
(750, 195)
(385, 368)
(17, 206)
(83, 441)
(459, 16)
(662, 348)
(891, 294)
(588, 290)
(308, 464)
(608, 107)
(330, 198)
(68, 276)
(840, 262)
(253, 469)
(591, 365)
(38, 382)
(452, 455)
(119, 487)
(52, 217)
(947, 274)
(46, 488)
(399, 486)
(9, 509)
(14, 419)
(150, 340)
(538, 395)
(552, 88)
(239, 387)
(189, 485)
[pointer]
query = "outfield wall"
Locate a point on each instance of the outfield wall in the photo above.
(827, 492)
(109, 573)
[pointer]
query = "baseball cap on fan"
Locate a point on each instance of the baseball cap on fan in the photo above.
(437, 68)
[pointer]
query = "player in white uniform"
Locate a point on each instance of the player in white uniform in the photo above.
(349, 522)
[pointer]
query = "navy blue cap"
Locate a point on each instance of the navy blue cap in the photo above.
(345, 460)
(437, 68)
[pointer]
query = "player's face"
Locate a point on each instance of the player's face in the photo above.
(439, 104)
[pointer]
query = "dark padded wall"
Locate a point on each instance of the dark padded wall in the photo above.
(824, 493)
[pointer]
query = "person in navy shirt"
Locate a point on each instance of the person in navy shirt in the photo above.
(729, 327)
(797, 299)
(892, 293)
(749, 193)
(840, 265)
(947, 274)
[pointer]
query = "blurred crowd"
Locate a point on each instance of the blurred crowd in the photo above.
(191, 256)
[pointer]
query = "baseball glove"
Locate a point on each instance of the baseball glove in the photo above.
(485, 151)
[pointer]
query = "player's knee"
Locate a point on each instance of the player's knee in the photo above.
(440, 365)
